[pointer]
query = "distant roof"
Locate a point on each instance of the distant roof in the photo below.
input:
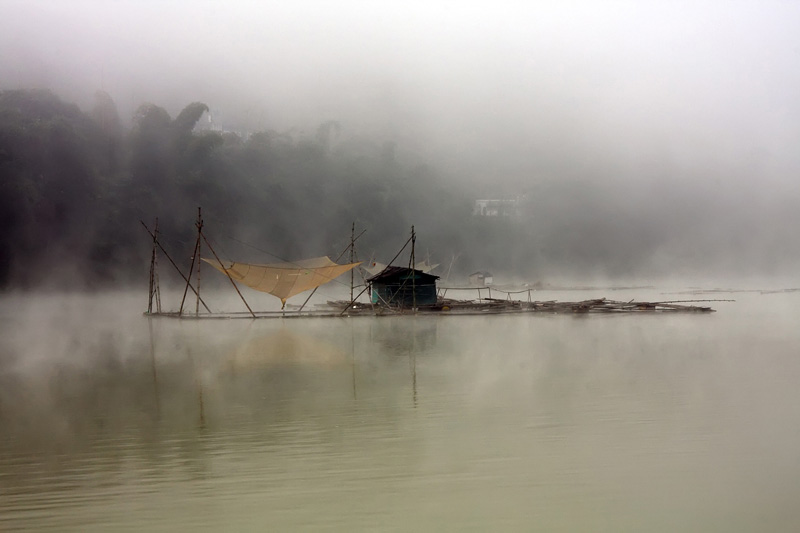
(395, 271)
(481, 273)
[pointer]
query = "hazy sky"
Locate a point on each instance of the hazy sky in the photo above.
(493, 89)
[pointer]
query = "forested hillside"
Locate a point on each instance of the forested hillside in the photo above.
(75, 184)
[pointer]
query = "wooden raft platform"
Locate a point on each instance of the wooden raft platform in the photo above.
(448, 307)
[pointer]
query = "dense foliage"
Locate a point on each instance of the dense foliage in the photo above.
(75, 184)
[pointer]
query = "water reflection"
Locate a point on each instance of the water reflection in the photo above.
(112, 420)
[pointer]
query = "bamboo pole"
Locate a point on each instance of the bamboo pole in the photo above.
(177, 268)
(337, 259)
(413, 271)
(191, 270)
(151, 290)
(199, 254)
(349, 305)
(226, 273)
(387, 266)
(352, 248)
(155, 276)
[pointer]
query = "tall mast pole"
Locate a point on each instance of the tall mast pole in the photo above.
(199, 244)
(352, 257)
(413, 271)
(151, 291)
(191, 267)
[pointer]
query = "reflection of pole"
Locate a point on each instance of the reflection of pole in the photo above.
(199, 383)
(413, 363)
(353, 357)
(153, 360)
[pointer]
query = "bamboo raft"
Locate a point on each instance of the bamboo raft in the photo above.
(354, 307)
(451, 307)
(501, 306)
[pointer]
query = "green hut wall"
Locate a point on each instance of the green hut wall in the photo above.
(403, 287)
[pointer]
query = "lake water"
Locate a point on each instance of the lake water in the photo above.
(113, 421)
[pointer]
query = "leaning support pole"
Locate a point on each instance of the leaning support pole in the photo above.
(352, 241)
(151, 291)
(352, 251)
(413, 271)
(226, 273)
(348, 306)
(199, 254)
(173, 264)
(191, 270)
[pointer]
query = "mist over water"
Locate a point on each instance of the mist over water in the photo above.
(649, 145)
(642, 140)
(554, 422)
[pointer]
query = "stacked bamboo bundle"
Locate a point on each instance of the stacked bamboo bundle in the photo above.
(599, 305)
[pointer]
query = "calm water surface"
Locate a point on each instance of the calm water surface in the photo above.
(110, 421)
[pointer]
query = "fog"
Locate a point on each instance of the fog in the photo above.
(645, 144)
(675, 122)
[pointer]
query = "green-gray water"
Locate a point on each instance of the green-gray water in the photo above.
(503, 423)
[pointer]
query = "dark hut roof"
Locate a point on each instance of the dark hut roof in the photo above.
(396, 271)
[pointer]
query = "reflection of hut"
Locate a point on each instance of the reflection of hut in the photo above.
(403, 287)
(480, 278)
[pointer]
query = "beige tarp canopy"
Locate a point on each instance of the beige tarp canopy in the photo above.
(284, 280)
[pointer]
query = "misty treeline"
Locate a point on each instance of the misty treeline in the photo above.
(75, 184)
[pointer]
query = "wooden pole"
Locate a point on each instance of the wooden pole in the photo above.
(199, 244)
(387, 266)
(351, 303)
(352, 248)
(151, 290)
(191, 270)
(174, 265)
(155, 272)
(226, 273)
(337, 259)
(413, 271)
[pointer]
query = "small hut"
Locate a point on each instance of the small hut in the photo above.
(481, 278)
(403, 287)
